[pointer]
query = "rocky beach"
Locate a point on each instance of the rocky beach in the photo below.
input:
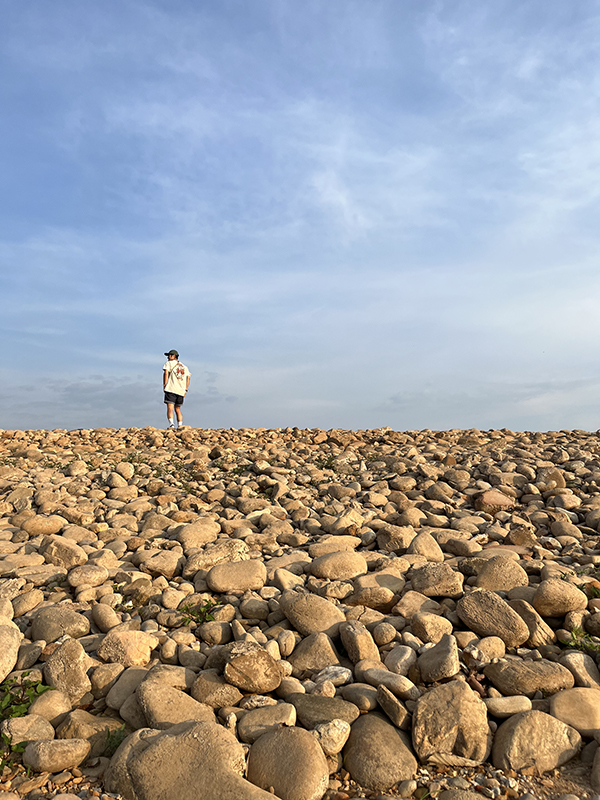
(293, 614)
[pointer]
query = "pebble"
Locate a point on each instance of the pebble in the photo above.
(374, 590)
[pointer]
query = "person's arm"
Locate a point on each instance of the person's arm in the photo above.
(187, 382)
(165, 378)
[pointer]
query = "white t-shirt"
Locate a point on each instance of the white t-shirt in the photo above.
(177, 374)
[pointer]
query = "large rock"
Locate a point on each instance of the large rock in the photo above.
(256, 672)
(378, 755)
(237, 576)
(164, 706)
(290, 763)
(310, 613)
(79, 724)
(440, 661)
(10, 640)
(487, 614)
(583, 668)
(492, 501)
(534, 741)
(66, 670)
(26, 729)
(186, 761)
(55, 755)
(62, 552)
(450, 726)
(313, 654)
(540, 633)
(512, 677)
(340, 566)
(129, 648)
(53, 622)
(579, 708)
(555, 598)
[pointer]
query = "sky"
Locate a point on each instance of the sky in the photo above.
(342, 213)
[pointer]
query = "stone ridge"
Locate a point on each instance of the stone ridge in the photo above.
(301, 614)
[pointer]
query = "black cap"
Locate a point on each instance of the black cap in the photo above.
(172, 353)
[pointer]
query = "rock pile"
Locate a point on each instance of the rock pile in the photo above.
(302, 614)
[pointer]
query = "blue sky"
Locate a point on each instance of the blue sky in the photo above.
(342, 213)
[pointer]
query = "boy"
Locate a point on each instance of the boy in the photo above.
(176, 380)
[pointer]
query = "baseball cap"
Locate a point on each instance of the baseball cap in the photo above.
(172, 353)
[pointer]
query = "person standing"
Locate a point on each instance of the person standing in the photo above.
(176, 381)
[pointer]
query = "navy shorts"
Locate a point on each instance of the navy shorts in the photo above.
(174, 399)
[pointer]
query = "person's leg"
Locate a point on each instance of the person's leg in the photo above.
(170, 407)
(179, 416)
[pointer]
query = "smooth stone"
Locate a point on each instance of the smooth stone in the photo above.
(258, 721)
(26, 729)
(583, 668)
(555, 598)
(129, 648)
(238, 576)
(10, 641)
(313, 654)
(309, 613)
(164, 706)
(255, 672)
(487, 614)
(579, 708)
(313, 710)
(512, 677)
(52, 705)
(290, 763)
(341, 566)
(211, 688)
(56, 755)
(503, 707)
(440, 661)
(53, 622)
(535, 741)
(378, 755)
(79, 724)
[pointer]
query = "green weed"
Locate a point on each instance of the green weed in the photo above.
(114, 739)
(198, 614)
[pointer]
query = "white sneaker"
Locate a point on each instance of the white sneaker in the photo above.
(170, 425)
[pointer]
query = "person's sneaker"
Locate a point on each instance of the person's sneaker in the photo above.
(170, 426)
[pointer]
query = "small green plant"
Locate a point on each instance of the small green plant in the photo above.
(580, 640)
(15, 699)
(114, 739)
(198, 614)
(325, 462)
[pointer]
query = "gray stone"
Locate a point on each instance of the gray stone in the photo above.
(210, 688)
(238, 576)
(313, 654)
(56, 755)
(26, 729)
(52, 705)
(441, 661)
(555, 598)
(10, 640)
(79, 724)
(313, 709)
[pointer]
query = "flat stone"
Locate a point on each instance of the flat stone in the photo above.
(289, 762)
(512, 677)
(394, 709)
(357, 641)
(164, 706)
(237, 576)
(583, 668)
(487, 614)
(52, 705)
(309, 613)
(255, 672)
(430, 627)
(503, 707)
(53, 622)
(399, 685)
(540, 633)
(258, 721)
(534, 741)
(501, 574)
(313, 709)
(400, 659)
(56, 755)
(378, 755)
